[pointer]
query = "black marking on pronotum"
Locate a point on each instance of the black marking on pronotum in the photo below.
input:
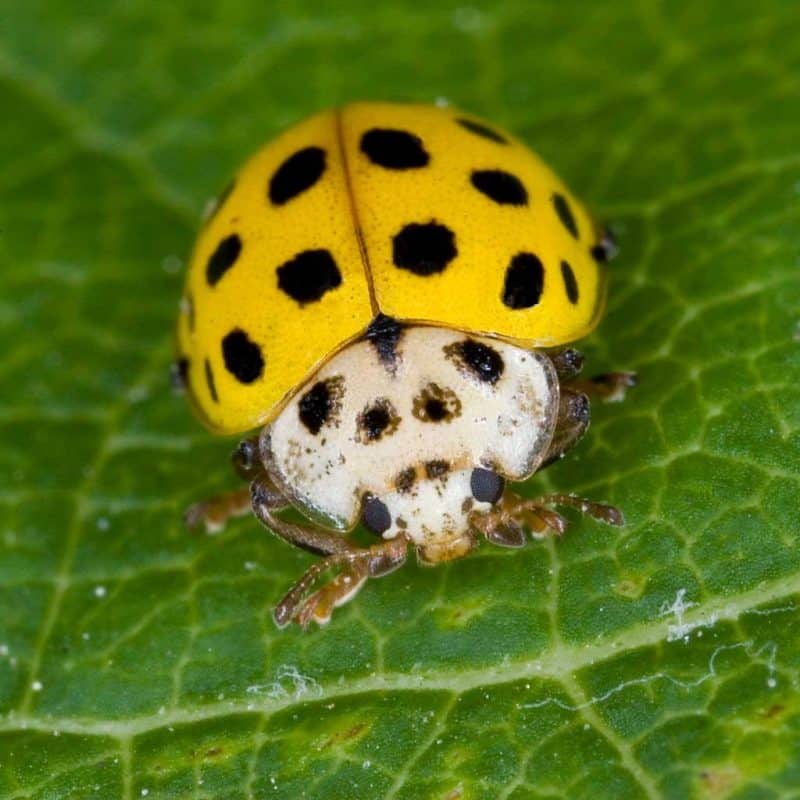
(435, 404)
(383, 334)
(377, 420)
(477, 359)
(375, 515)
(437, 468)
(320, 404)
(487, 486)
(405, 480)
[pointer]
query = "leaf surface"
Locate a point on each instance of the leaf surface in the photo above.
(658, 660)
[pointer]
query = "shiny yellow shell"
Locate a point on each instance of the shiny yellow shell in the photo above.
(417, 212)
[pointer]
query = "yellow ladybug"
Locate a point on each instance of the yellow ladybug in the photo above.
(381, 290)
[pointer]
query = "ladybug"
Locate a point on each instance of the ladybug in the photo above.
(385, 291)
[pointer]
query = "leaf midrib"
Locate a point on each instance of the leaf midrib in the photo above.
(553, 665)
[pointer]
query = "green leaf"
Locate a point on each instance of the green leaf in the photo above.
(657, 660)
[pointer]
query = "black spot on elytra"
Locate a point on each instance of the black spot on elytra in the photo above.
(605, 250)
(435, 404)
(570, 283)
(223, 258)
(384, 333)
(524, 281)
(212, 386)
(242, 356)
(394, 149)
(309, 275)
(377, 420)
(424, 248)
(487, 486)
(479, 129)
(179, 374)
(437, 468)
(478, 359)
(405, 480)
(500, 186)
(219, 202)
(320, 404)
(375, 515)
(296, 174)
(565, 214)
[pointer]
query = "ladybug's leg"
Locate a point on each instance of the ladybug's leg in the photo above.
(355, 568)
(506, 523)
(217, 510)
(610, 386)
(571, 424)
(355, 564)
(264, 499)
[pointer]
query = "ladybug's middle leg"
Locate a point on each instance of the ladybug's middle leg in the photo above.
(609, 386)
(217, 510)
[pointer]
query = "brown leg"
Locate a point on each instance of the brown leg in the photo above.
(568, 363)
(610, 386)
(355, 567)
(217, 510)
(264, 499)
(505, 524)
(572, 422)
(355, 564)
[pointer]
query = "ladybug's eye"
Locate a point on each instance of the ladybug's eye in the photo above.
(487, 486)
(376, 516)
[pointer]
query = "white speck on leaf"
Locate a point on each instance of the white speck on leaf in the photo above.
(171, 264)
(103, 524)
(289, 683)
(99, 591)
(37, 686)
(469, 19)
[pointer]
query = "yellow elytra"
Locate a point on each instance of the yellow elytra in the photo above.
(420, 213)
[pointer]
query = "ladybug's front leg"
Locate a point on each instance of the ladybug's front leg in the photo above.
(506, 523)
(355, 564)
(355, 567)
